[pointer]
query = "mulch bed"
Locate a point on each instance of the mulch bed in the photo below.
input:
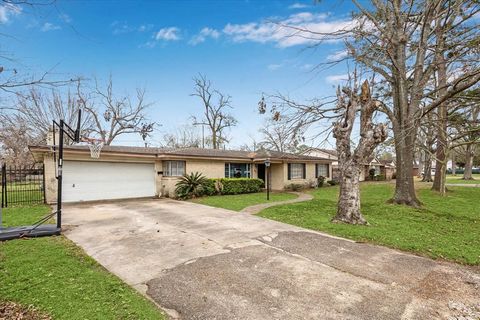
(14, 311)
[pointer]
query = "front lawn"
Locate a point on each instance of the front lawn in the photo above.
(58, 278)
(458, 179)
(446, 227)
(238, 202)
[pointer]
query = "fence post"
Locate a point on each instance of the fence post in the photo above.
(4, 185)
(44, 185)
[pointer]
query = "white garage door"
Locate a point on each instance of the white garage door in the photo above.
(87, 181)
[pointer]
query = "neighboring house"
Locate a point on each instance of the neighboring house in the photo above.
(384, 168)
(328, 154)
(134, 172)
(389, 169)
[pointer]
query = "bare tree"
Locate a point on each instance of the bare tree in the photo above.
(279, 136)
(426, 143)
(463, 133)
(343, 110)
(116, 115)
(350, 162)
(13, 77)
(183, 137)
(215, 115)
(397, 40)
(413, 46)
(39, 108)
(14, 141)
(31, 119)
(470, 124)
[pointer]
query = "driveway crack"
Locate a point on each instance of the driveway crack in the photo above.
(264, 242)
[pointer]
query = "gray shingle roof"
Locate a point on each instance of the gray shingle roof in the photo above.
(195, 152)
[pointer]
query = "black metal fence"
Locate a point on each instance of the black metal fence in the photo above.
(21, 186)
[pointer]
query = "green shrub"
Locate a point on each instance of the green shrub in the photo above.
(371, 174)
(239, 185)
(320, 181)
(190, 186)
(333, 182)
(210, 187)
(381, 177)
(232, 186)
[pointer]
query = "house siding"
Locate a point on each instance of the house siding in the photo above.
(165, 186)
(309, 175)
(50, 169)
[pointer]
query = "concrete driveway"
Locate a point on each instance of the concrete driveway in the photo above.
(199, 262)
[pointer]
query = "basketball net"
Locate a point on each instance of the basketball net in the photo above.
(95, 147)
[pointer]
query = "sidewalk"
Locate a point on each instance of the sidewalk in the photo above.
(259, 207)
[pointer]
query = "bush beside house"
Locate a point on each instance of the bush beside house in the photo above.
(196, 185)
(239, 185)
(190, 186)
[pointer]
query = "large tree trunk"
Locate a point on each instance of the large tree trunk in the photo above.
(421, 163)
(454, 164)
(469, 153)
(442, 143)
(214, 140)
(348, 208)
(441, 162)
(427, 169)
(351, 163)
(404, 184)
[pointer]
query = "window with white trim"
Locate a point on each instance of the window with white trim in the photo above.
(322, 170)
(237, 170)
(297, 170)
(173, 168)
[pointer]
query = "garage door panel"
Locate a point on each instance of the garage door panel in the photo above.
(88, 181)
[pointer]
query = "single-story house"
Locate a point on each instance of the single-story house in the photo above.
(134, 172)
(389, 168)
(328, 154)
(385, 168)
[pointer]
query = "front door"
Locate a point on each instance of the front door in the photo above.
(261, 173)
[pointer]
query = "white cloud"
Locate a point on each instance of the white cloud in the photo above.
(7, 11)
(307, 66)
(123, 27)
(336, 78)
(168, 34)
(47, 26)
(273, 67)
(145, 27)
(298, 5)
(203, 35)
(65, 17)
(338, 55)
(290, 31)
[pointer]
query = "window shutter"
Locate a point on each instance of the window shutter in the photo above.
(316, 170)
(328, 170)
(304, 171)
(289, 172)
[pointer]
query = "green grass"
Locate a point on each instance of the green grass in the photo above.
(57, 277)
(458, 179)
(24, 215)
(446, 227)
(238, 202)
(19, 193)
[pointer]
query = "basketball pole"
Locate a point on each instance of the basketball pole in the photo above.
(60, 175)
(63, 129)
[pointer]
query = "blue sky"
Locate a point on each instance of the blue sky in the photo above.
(162, 45)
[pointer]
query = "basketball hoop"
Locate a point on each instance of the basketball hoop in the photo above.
(95, 147)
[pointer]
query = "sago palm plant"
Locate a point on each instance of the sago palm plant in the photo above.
(190, 185)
